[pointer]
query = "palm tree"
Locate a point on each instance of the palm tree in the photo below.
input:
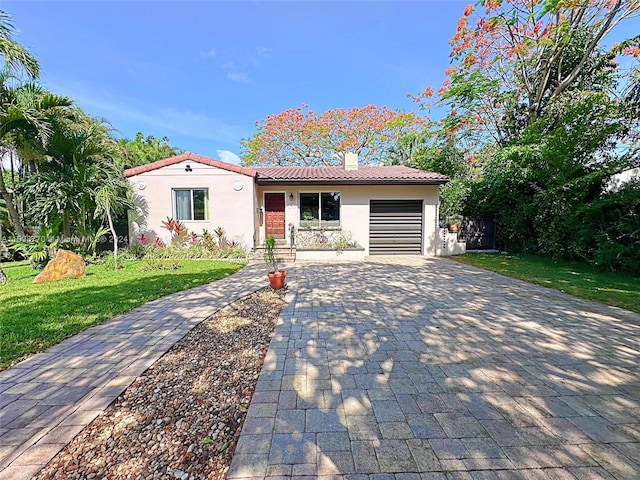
(81, 180)
(109, 201)
(114, 195)
(27, 118)
(16, 57)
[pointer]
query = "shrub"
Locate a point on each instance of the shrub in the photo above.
(335, 239)
(136, 251)
(341, 240)
(38, 249)
(159, 264)
(201, 250)
(111, 262)
(178, 230)
(608, 230)
(185, 245)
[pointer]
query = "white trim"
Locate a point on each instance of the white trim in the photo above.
(207, 207)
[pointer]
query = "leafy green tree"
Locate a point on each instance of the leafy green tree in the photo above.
(142, 150)
(560, 164)
(632, 90)
(407, 147)
(442, 155)
(547, 116)
(511, 59)
(613, 221)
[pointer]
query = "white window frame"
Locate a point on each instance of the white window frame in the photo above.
(190, 190)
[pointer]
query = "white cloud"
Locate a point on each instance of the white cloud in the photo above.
(169, 120)
(228, 156)
(237, 76)
(234, 73)
(263, 52)
(209, 54)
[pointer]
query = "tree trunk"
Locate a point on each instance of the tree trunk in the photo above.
(13, 212)
(115, 239)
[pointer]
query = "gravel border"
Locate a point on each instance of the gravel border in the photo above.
(182, 417)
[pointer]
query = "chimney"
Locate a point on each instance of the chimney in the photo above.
(351, 161)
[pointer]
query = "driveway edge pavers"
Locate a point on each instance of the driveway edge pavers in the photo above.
(47, 399)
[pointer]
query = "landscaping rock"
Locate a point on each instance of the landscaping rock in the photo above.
(180, 419)
(66, 265)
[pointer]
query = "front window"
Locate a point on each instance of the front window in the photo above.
(191, 204)
(320, 209)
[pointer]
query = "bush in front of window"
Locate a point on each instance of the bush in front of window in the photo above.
(325, 239)
(188, 245)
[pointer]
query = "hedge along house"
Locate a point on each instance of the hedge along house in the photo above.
(386, 209)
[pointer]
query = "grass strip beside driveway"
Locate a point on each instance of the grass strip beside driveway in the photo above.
(577, 279)
(34, 317)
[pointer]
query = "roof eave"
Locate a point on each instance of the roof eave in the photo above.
(300, 182)
(190, 157)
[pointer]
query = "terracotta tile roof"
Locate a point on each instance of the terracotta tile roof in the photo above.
(306, 175)
(363, 175)
(191, 157)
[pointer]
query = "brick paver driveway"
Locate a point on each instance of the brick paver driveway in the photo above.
(431, 369)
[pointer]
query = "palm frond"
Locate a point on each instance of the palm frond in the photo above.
(17, 58)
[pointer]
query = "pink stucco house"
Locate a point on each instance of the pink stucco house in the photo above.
(387, 209)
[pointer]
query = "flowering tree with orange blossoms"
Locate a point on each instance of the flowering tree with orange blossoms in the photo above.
(511, 58)
(303, 137)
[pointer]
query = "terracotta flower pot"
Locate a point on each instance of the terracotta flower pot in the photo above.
(277, 280)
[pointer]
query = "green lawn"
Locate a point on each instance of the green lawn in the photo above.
(34, 317)
(577, 279)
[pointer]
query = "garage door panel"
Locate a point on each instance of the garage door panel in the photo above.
(395, 220)
(397, 214)
(408, 241)
(396, 224)
(395, 227)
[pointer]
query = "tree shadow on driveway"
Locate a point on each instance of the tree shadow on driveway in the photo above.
(416, 366)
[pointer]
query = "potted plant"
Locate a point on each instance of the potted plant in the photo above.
(276, 276)
(454, 222)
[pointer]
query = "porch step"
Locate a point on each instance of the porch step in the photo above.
(283, 253)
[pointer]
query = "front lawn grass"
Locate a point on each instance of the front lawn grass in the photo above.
(34, 317)
(577, 279)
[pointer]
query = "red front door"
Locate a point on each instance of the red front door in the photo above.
(274, 214)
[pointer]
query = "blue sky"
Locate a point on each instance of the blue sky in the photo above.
(202, 73)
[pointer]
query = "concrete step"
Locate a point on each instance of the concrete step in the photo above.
(283, 254)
